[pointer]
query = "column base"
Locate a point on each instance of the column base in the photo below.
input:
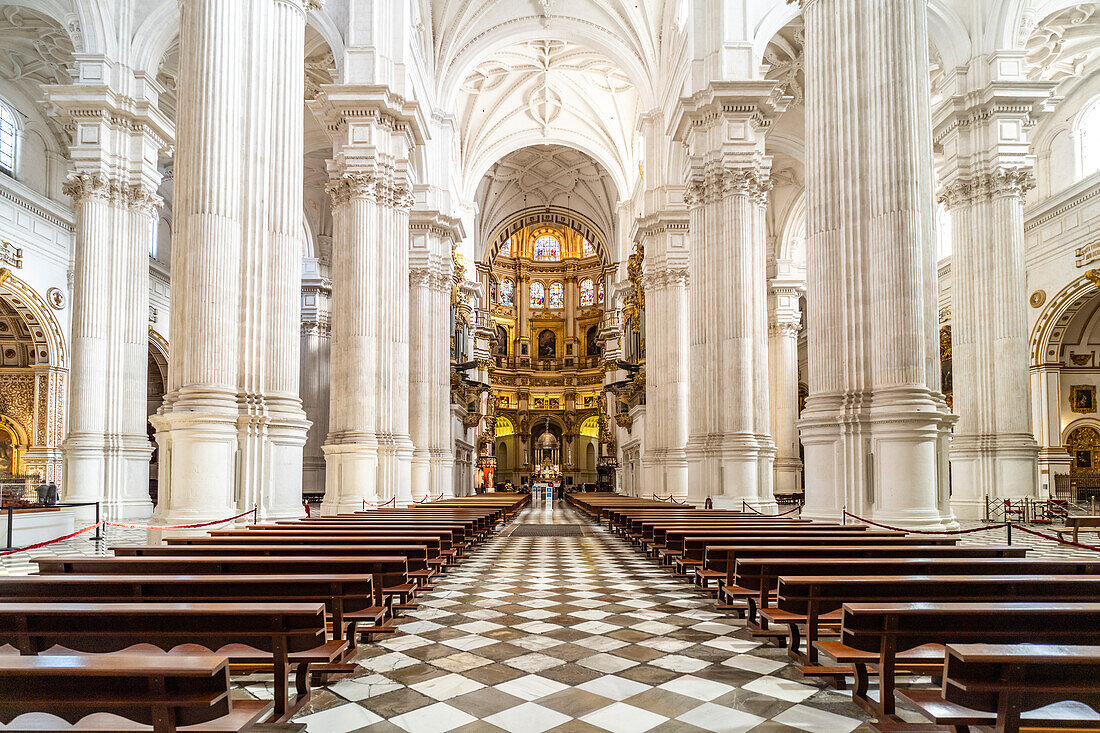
(198, 461)
(737, 465)
(882, 462)
(420, 472)
(351, 473)
(443, 473)
(787, 475)
(996, 466)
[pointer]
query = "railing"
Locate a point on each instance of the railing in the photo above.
(1075, 487)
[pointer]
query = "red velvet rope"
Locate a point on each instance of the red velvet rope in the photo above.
(926, 531)
(36, 545)
(1056, 538)
(379, 506)
(750, 506)
(178, 526)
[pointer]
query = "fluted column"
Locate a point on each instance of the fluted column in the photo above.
(369, 452)
(421, 331)
(107, 450)
(875, 425)
(784, 323)
(351, 451)
(271, 422)
(987, 171)
(197, 426)
(316, 339)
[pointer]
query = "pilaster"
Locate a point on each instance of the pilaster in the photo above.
(784, 325)
(987, 171)
(729, 449)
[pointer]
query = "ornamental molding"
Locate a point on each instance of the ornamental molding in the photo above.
(666, 277)
(785, 329)
(99, 186)
(320, 326)
(1003, 181)
(361, 185)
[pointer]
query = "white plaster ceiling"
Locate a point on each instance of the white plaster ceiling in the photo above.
(548, 91)
(544, 176)
(1061, 46)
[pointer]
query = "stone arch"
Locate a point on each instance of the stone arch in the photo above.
(555, 216)
(1050, 327)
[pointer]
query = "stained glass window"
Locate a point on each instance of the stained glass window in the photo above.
(599, 294)
(557, 295)
(588, 295)
(506, 249)
(538, 295)
(547, 249)
(8, 131)
(588, 249)
(506, 289)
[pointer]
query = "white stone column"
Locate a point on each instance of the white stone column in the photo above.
(987, 171)
(442, 441)
(197, 426)
(784, 323)
(369, 452)
(730, 450)
(116, 143)
(107, 450)
(666, 331)
(875, 425)
(316, 341)
(271, 423)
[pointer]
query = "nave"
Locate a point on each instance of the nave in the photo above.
(573, 633)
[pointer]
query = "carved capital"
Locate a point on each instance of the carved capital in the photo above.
(346, 186)
(85, 186)
(1002, 181)
(719, 183)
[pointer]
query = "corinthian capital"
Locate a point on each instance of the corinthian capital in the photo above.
(1001, 181)
(83, 185)
(346, 186)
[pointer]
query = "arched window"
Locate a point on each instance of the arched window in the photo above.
(507, 287)
(1087, 130)
(506, 248)
(557, 295)
(9, 138)
(538, 295)
(588, 295)
(547, 249)
(587, 249)
(599, 293)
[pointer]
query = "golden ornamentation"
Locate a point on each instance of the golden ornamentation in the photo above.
(1083, 444)
(1080, 359)
(1093, 276)
(1037, 298)
(634, 302)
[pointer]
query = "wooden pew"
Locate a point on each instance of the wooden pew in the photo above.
(721, 560)
(281, 634)
(341, 594)
(676, 542)
(1076, 525)
(381, 569)
(166, 692)
(1003, 685)
(811, 600)
(911, 636)
(756, 579)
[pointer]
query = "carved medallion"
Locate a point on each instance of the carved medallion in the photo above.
(1038, 298)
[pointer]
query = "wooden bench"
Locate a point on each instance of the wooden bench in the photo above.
(786, 534)
(812, 600)
(720, 560)
(1076, 525)
(165, 693)
(380, 569)
(887, 636)
(341, 594)
(757, 578)
(1005, 685)
(284, 635)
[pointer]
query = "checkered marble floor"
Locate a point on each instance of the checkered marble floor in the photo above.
(535, 634)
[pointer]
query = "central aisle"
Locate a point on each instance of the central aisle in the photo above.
(576, 633)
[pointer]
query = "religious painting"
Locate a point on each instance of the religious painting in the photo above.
(1083, 459)
(548, 344)
(589, 401)
(502, 401)
(538, 295)
(1083, 444)
(507, 287)
(502, 341)
(592, 345)
(555, 403)
(540, 403)
(1082, 398)
(557, 295)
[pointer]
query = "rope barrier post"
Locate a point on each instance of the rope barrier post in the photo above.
(100, 531)
(1008, 526)
(844, 515)
(255, 513)
(11, 528)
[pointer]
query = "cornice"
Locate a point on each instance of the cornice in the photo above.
(45, 208)
(1061, 202)
(338, 104)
